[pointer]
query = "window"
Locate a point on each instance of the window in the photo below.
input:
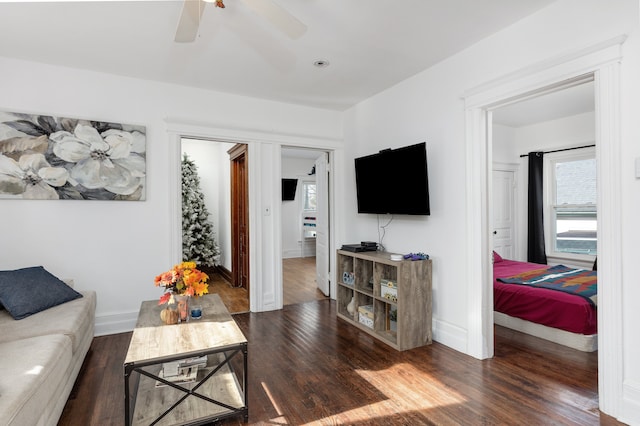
(573, 224)
(309, 209)
(309, 192)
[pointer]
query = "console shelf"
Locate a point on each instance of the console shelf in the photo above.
(380, 286)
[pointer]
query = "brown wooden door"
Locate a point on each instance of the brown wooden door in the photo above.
(239, 216)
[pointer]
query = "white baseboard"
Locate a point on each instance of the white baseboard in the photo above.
(450, 335)
(293, 253)
(290, 253)
(630, 403)
(115, 323)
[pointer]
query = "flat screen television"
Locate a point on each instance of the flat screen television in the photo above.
(289, 189)
(394, 181)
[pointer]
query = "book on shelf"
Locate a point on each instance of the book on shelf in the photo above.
(174, 368)
(186, 375)
(181, 371)
(191, 362)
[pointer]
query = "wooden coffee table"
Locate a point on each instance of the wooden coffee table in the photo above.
(219, 389)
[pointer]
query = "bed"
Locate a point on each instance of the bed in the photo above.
(553, 315)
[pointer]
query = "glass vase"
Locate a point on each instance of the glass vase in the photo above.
(182, 303)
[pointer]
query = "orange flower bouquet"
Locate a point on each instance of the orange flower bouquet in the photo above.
(183, 279)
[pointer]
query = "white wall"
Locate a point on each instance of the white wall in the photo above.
(213, 165)
(509, 143)
(504, 147)
(564, 132)
(295, 168)
(117, 248)
(429, 107)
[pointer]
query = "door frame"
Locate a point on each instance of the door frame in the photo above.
(602, 62)
(240, 258)
(264, 215)
(333, 156)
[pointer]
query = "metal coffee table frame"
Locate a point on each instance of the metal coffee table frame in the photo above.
(221, 372)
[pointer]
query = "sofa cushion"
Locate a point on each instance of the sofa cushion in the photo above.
(71, 319)
(31, 371)
(27, 291)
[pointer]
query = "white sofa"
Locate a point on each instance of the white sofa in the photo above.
(41, 356)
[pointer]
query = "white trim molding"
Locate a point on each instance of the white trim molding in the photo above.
(600, 62)
(479, 267)
(609, 199)
(631, 402)
(223, 133)
(115, 323)
(450, 335)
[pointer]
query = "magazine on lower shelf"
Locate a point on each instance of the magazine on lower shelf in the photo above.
(192, 362)
(181, 371)
(187, 375)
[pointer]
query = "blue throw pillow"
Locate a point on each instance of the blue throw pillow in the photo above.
(27, 291)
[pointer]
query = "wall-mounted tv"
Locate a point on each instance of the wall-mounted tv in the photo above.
(394, 181)
(289, 189)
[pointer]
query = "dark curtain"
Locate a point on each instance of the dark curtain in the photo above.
(535, 245)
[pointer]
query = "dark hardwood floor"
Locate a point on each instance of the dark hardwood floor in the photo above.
(308, 367)
(299, 280)
(299, 285)
(236, 299)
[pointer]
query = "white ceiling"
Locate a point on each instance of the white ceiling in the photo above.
(370, 44)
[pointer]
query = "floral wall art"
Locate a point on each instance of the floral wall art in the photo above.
(51, 158)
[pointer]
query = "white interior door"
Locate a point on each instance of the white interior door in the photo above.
(322, 224)
(504, 212)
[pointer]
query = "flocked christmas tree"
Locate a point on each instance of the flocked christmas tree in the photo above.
(198, 239)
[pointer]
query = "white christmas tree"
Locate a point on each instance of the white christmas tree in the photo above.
(198, 239)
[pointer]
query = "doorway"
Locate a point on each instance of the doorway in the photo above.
(213, 164)
(560, 127)
(602, 62)
(305, 225)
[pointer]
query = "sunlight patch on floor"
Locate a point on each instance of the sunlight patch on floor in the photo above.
(424, 393)
(273, 402)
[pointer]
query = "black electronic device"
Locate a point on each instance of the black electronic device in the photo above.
(357, 248)
(369, 244)
(394, 181)
(289, 187)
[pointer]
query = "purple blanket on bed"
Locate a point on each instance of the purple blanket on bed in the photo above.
(580, 282)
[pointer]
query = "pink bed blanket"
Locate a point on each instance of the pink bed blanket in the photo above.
(543, 306)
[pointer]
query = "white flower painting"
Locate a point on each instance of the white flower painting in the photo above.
(56, 158)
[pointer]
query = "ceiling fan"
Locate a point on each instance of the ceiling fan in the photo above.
(192, 12)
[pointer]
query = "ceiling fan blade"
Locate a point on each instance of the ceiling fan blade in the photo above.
(189, 21)
(279, 17)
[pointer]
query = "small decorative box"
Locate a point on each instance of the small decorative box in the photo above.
(365, 320)
(366, 310)
(389, 290)
(365, 315)
(348, 278)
